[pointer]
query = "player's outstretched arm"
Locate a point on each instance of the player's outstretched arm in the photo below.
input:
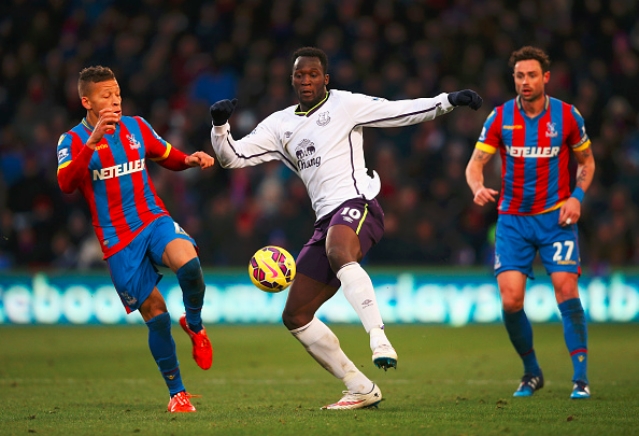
(261, 145)
(475, 178)
(176, 160)
(199, 159)
(465, 97)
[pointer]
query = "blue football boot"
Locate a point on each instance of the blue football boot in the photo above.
(529, 384)
(580, 390)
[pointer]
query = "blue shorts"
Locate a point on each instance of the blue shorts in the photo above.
(365, 217)
(518, 238)
(133, 269)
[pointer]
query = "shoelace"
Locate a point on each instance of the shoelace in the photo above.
(530, 380)
(581, 386)
(184, 397)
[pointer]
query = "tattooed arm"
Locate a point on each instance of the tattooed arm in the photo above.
(475, 177)
(585, 168)
(570, 211)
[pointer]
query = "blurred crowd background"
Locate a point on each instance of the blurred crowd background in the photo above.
(174, 58)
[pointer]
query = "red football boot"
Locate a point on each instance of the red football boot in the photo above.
(181, 403)
(202, 349)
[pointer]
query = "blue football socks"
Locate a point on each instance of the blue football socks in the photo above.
(163, 351)
(576, 336)
(521, 335)
(192, 283)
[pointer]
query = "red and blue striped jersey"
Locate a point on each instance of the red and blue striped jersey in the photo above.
(535, 154)
(114, 179)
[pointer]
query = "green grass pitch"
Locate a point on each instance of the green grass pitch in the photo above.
(97, 380)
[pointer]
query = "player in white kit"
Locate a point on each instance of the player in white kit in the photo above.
(321, 140)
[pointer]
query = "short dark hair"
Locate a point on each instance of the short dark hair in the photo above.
(312, 52)
(93, 75)
(529, 52)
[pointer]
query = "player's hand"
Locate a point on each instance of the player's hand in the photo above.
(221, 111)
(107, 119)
(570, 212)
(465, 97)
(485, 195)
(199, 159)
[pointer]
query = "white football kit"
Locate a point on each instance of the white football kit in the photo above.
(324, 146)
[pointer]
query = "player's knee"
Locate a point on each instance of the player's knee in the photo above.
(153, 306)
(159, 322)
(334, 256)
(191, 270)
(512, 303)
(294, 320)
(566, 291)
(337, 257)
(288, 319)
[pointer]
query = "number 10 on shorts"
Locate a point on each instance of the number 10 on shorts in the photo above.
(354, 214)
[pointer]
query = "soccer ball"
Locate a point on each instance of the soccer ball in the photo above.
(272, 269)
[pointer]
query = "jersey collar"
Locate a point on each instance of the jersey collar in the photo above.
(86, 124)
(546, 103)
(311, 110)
(90, 128)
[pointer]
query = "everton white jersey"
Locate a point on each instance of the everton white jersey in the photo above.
(324, 146)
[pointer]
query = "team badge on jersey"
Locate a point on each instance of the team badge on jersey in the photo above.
(552, 130)
(323, 119)
(133, 142)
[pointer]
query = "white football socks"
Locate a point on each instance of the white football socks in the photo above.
(323, 345)
(358, 290)
(378, 337)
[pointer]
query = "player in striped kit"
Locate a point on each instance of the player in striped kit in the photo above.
(535, 134)
(320, 140)
(105, 157)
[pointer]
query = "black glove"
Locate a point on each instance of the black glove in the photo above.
(221, 111)
(465, 97)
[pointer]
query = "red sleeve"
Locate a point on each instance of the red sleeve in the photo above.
(174, 161)
(70, 176)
